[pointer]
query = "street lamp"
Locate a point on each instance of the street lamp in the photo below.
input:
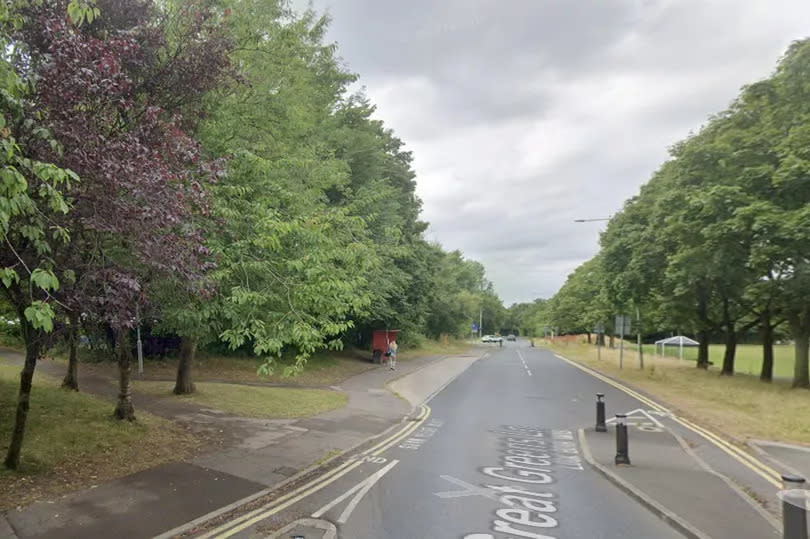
(591, 220)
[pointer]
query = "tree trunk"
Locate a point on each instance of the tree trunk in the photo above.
(731, 349)
(124, 408)
(188, 348)
(71, 380)
(766, 331)
(703, 333)
(801, 335)
(611, 341)
(32, 352)
(601, 339)
(589, 338)
(703, 349)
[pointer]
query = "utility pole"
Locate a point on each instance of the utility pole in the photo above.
(480, 320)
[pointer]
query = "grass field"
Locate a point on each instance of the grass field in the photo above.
(741, 406)
(748, 357)
(254, 401)
(71, 441)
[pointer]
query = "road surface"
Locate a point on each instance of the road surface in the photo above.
(493, 455)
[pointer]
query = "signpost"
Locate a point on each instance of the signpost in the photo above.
(623, 327)
(599, 329)
(638, 340)
(474, 330)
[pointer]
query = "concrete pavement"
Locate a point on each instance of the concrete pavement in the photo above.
(664, 473)
(257, 456)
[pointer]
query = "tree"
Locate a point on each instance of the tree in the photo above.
(31, 192)
(143, 176)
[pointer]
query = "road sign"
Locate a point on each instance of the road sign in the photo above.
(623, 326)
(475, 327)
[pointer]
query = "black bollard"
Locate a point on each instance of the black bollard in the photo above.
(600, 413)
(622, 450)
(794, 507)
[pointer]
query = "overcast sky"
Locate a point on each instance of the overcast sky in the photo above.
(524, 115)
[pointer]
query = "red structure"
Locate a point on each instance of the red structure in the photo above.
(379, 343)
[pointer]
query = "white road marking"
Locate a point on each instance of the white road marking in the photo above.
(653, 425)
(360, 488)
(469, 490)
(523, 360)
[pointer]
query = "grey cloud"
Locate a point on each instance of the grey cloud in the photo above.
(525, 115)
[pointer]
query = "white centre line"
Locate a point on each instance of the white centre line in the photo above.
(522, 360)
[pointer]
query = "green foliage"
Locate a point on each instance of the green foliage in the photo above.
(718, 239)
(82, 11)
(31, 192)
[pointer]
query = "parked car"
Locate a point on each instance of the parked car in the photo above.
(511, 338)
(491, 338)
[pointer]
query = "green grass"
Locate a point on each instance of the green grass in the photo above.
(748, 357)
(430, 347)
(323, 369)
(254, 401)
(740, 406)
(72, 440)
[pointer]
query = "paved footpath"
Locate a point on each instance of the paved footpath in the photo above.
(256, 457)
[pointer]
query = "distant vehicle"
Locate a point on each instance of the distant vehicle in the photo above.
(511, 338)
(491, 338)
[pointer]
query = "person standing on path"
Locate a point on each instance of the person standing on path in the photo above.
(392, 354)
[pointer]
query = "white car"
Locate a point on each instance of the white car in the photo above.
(491, 338)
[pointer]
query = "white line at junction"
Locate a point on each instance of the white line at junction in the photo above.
(523, 360)
(361, 489)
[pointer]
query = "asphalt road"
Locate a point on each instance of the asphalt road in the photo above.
(497, 456)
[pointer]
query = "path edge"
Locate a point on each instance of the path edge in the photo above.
(676, 522)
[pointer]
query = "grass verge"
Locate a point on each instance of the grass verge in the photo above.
(323, 369)
(72, 442)
(444, 347)
(254, 401)
(740, 406)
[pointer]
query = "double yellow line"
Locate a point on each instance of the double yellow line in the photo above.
(749, 461)
(403, 433)
(283, 502)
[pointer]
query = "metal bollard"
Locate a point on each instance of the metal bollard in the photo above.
(794, 507)
(600, 413)
(622, 450)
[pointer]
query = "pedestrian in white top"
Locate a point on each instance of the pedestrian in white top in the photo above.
(392, 354)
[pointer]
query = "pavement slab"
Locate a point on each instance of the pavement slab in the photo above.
(139, 505)
(792, 458)
(663, 471)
